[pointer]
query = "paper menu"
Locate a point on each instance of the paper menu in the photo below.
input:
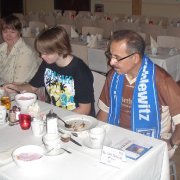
(133, 150)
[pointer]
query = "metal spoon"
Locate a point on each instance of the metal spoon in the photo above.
(66, 124)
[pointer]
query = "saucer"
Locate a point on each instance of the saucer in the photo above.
(87, 143)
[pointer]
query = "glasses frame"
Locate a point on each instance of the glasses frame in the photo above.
(110, 56)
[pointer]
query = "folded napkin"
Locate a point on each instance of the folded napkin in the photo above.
(33, 110)
(74, 34)
(93, 41)
(6, 156)
(153, 43)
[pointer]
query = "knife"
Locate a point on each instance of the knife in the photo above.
(71, 139)
(75, 142)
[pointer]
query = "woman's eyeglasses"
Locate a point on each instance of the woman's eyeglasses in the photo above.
(110, 56)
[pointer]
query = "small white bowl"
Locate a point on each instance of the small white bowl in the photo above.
(25, 100)
(29, 156)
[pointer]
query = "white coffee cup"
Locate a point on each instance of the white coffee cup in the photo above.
(2, 114)
(37, 127)
(96, 137)
(51, 141)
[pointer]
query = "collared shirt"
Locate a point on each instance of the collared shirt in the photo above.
(168, 95)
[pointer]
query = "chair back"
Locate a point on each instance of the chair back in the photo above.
(37, 24)
(168, 41)
(67, 27)
(91, 30)
(99, 80)
(80, 51)
(97, 60)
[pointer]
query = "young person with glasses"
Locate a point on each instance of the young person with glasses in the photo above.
(139, 95)
(67, 79)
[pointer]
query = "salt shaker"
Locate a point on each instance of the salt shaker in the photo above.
(51, 120)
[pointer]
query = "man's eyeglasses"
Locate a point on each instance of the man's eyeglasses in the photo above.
(110, 56)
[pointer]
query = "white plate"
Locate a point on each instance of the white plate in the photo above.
(87, 143)
(79, 123)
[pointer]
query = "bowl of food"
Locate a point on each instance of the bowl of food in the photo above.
(25, 100)
(28, 156)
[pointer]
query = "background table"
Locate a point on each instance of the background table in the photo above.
(171, 63)
(84, 163)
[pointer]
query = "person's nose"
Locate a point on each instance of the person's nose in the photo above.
(112, 61)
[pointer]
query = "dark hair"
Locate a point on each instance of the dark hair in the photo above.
(11, 22)
(134, 42)
(54, 40)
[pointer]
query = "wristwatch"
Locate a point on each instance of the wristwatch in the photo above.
(174, 146)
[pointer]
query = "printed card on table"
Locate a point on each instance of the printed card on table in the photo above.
(133, 150)
(113, 157)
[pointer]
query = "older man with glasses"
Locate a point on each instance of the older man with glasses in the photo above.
(139, 95)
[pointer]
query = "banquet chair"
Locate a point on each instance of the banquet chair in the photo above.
(168, 41)
(37, 24)
(83, 21)
(126, 25)
(98, 84)
(173, 31)
(67, 27)
(145, 37)
(153, 30)
(80, 51)
(64, 20)
(97, 60)
(92, 30)
(33, 16)
(107, 26)
(30, 41)
(50, 20)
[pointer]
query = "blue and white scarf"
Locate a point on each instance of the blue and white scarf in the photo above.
(145, 113)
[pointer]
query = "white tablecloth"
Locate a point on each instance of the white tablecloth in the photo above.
(171, 63)
(84, 163)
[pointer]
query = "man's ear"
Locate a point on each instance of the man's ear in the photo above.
(137, 58)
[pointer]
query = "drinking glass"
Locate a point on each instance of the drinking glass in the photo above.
(25, 121)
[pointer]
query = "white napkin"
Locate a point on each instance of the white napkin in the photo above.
(74, 34)
(153, 43)
(93, 41)
(6, 156)
(34, 109)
